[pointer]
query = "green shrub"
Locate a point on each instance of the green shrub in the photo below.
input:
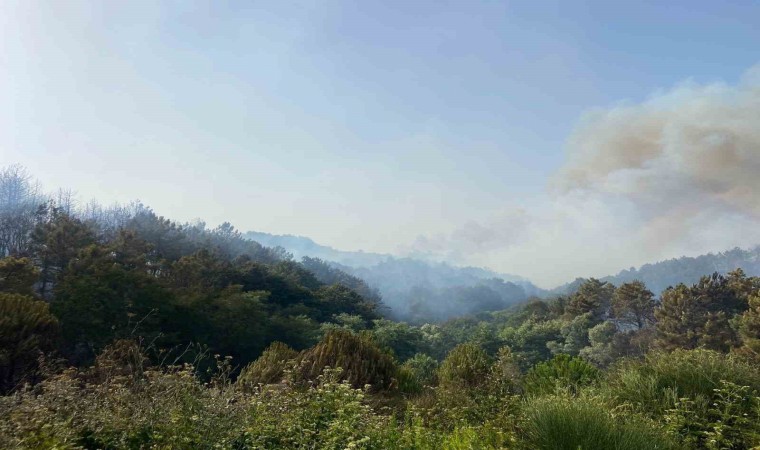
(708, 399)
(572, 423)
(361, 361)
(466, 366)
(422, 369)
(27, 331)
(562, 371)
(162, 409)
(329, 415)
(269, 368)
(731, 419)
(654, 384)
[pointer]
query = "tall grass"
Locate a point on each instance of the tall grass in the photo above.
(560, 422)
(655, 384)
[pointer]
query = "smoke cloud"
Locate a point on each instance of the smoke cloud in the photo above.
(677, 174)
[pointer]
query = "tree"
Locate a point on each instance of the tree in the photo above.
(529, 341)
(238, 324)
(56, 242)
(403, 340)
(27, 330)
(601, 349)
(328, 275)
(749, 326)
(421, 369)
(108, 293)
(593, 296)
(633, 305)
(338, 299)
(574, 335)
(466, 366)
(363, 362)
(17, 275)
(22, 206)
(699, 316)
(679, 319)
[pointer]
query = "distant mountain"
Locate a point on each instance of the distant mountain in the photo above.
(658, 276)
(414, 289)
(300, 246)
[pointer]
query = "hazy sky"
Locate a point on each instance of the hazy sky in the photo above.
(547, 139)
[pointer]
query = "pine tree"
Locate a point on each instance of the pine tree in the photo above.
(27, 330)
(633, 304)
(17, 275)
(593, 296)
(749, 326)
(56, 243)
(700, 315)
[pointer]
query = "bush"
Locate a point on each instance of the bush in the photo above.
(708, 399)
(731, 419)
(269, 368)
(330, 415)
(466, 366)
(560, 422)
(27, 331)
(162, 409)
(422, 368)
(361, 361)
(654, 384)
(563, 371)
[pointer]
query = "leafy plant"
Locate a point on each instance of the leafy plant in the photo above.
(563, 371)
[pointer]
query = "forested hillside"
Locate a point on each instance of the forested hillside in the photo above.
(415, 290)
(689, 269)
(123, 329)
(99, 274)
(661, 275)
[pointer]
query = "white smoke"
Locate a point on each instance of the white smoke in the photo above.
(678, 174)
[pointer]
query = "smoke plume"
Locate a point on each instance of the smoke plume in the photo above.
(677, 174)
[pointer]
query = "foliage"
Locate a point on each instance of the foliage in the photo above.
(27, 332)
(654, 385)
(331, 415)
(561, 372)
(574, 335)
(17, 275)
(401, 339)
(529, 341)
(605, 344)
(420, 371)
(698, 316)
(593, 297)
(749, 326)
(466, 366)
(561, 422)
(161, 409)
(361, 361)
(633, 304)
(269, 367)
(141, 308)
(730, 420)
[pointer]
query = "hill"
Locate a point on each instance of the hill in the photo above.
(415, 290)
(687, 269)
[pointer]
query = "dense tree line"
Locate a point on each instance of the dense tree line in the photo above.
(74, 280)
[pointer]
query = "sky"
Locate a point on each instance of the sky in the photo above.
(548, 139)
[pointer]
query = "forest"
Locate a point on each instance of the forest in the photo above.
(123, 329)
